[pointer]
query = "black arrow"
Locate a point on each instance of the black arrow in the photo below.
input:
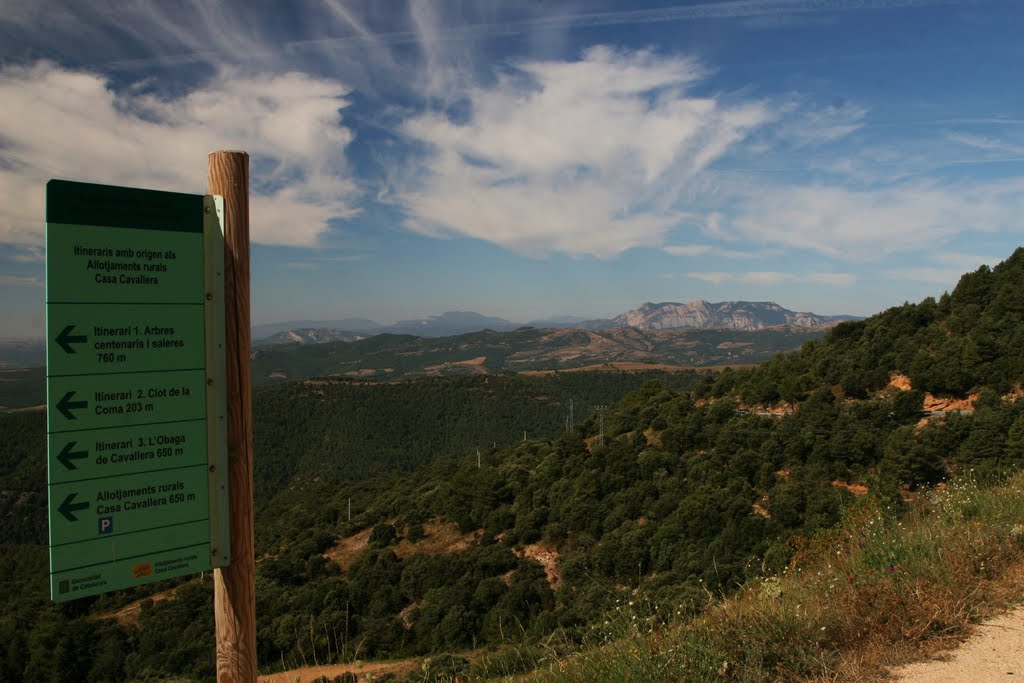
(66, 405)
(67, 507)
(67, 456)
(66, 339)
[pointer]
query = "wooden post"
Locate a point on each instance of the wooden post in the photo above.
(234, 586)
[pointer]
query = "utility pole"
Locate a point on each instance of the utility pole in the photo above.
(600, 419)
(524, 436)
(478, 458)
(572, 418)
(350, 508)
(234, 586)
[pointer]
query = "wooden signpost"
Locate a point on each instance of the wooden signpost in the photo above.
(147, 324)
(235, 585)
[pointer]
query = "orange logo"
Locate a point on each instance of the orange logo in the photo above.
(141, 571)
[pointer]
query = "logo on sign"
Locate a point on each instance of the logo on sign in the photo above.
(141, 571)
(106, 525)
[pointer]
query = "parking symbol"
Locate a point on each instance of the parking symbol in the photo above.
(106, 525)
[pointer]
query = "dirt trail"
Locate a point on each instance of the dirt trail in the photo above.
(311, 673)
(993, 652)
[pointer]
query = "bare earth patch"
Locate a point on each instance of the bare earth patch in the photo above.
(545, 556)
(993, 652)
(933, 403)
(616, 367)
(311, 673)
(129, 614)
(348, 549)
(855, 489)
(438, 538)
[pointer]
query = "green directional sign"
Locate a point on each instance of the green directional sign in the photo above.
(99, 338)
(100, 453)
(135, 377)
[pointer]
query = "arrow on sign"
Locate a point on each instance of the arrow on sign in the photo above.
(66, 339)
(67, 507)
(66, 405)
(68, 456)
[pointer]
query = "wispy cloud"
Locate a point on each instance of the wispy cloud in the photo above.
(24, 253)
(965, 261)
(72, 124)
(817, 125)
(765, 277)
(988, 143)
(313, 263)
(20, 281)
(947, 277)
(584, 157)
(713, 277)
(769, 278)
(835, 279)
(862, 224)
(686, 249)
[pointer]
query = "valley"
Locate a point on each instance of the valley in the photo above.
(484, 523)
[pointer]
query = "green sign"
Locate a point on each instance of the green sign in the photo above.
(135, 377)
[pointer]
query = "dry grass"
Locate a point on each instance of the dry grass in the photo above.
(879, 589)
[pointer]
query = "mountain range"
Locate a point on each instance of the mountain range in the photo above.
(702, 315)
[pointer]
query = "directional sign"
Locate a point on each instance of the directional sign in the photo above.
(136, 408)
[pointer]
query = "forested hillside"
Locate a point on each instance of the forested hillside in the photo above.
(966, 340)
(677, 492)
(336, 429)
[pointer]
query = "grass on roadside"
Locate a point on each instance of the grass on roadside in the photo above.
(864, 595)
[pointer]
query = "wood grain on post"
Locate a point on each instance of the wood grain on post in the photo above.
(235, 585)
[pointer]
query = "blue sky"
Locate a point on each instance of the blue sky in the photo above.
(526, 159)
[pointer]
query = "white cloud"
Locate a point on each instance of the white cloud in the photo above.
(714, 277)
(813, 126)
(767, 278)
(26, 253)
(966, 261)
(947, 277)
(71, 124)
(863, 224)
(835, 279)
(987, 143)
(20, 281)
(584, 157)
(686, 249)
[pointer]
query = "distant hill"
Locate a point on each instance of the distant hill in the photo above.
(390, 356)
(700, 315)
(354, 325)
(727, 315)
(451, 323)
(310, 335)
(22, 353)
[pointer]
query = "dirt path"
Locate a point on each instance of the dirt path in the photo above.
(993, 652)
(311, 673)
